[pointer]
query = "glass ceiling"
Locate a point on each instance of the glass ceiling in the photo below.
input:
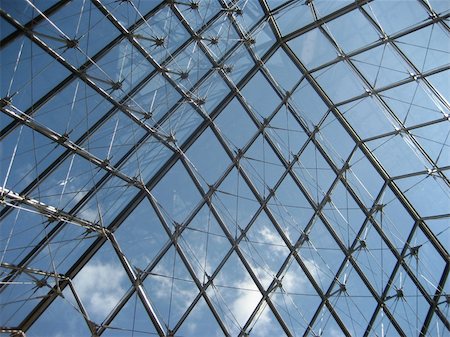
(225, 168)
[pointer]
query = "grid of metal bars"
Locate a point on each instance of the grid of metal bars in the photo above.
(154, 98)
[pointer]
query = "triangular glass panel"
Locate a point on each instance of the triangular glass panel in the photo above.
(204, 244)
(200, 321)
(170, 288)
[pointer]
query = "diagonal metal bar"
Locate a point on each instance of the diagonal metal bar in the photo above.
(11, 198)
(364, 149)
(26, 323)
(136, 282)
(33, 22)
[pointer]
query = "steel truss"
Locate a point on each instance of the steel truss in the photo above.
(56, 283)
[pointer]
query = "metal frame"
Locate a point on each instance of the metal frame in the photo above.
(231, 11)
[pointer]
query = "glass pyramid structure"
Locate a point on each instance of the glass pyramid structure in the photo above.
(225, 168)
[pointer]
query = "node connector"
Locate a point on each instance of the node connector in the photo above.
(41, 283)
(194, 5)
(250, 41)
(116, 85)
(184, 75)
(227, 69)
(159, 41)
(414, 251)
(171, 138)
(71, 43)
(362, 244)
(5, 101)
(214, 40)
(200, 101)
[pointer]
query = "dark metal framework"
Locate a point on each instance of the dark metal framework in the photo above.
(154, 98)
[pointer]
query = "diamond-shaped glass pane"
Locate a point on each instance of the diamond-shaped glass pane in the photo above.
(224, 168)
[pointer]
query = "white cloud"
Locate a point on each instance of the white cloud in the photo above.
(100, 287)
(295, 283)
(89, 214)
(277, 245)
(183, 293)
(335, 332)
(247, 300)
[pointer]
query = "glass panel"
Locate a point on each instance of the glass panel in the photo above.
(5, 28)
(197, 14)
(314, 172)
(235, 125)
(24, 155)
(435, 140)
(225, 168)
(205, 244)
(350, 295)
(264, 39)
(120, 69)
(154, 100)
(220, 37)
(291, 209)
(425, 48)
(208, 159)
(428, 194)
(343, 214)
(238, 64)
(368, 117)
(325, 7)
(127, 13)
(440, 6)
(77, 31)
(335, 140)
(285, 73)
(176, 194)
(161, 34)
(27, 73)
(235, 203)
(398, 155)
(296, 300)
(188, 67)
(170, 288)
(210, 92)
(382, 66)
(396, 16)
(352, 31)
(131, 318)
(414, 103)
(294, 16)
(318, 250)
(70, 320)
(234, 287)
(200, 321)
(261, 96)
(313, 48)
(106, 270)
(287, 134)
(262, 165)
(374, 258)
(248, 14)
(24, 12)
(74, 111)
(181, 123)
(308, 105)
(339, 82)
